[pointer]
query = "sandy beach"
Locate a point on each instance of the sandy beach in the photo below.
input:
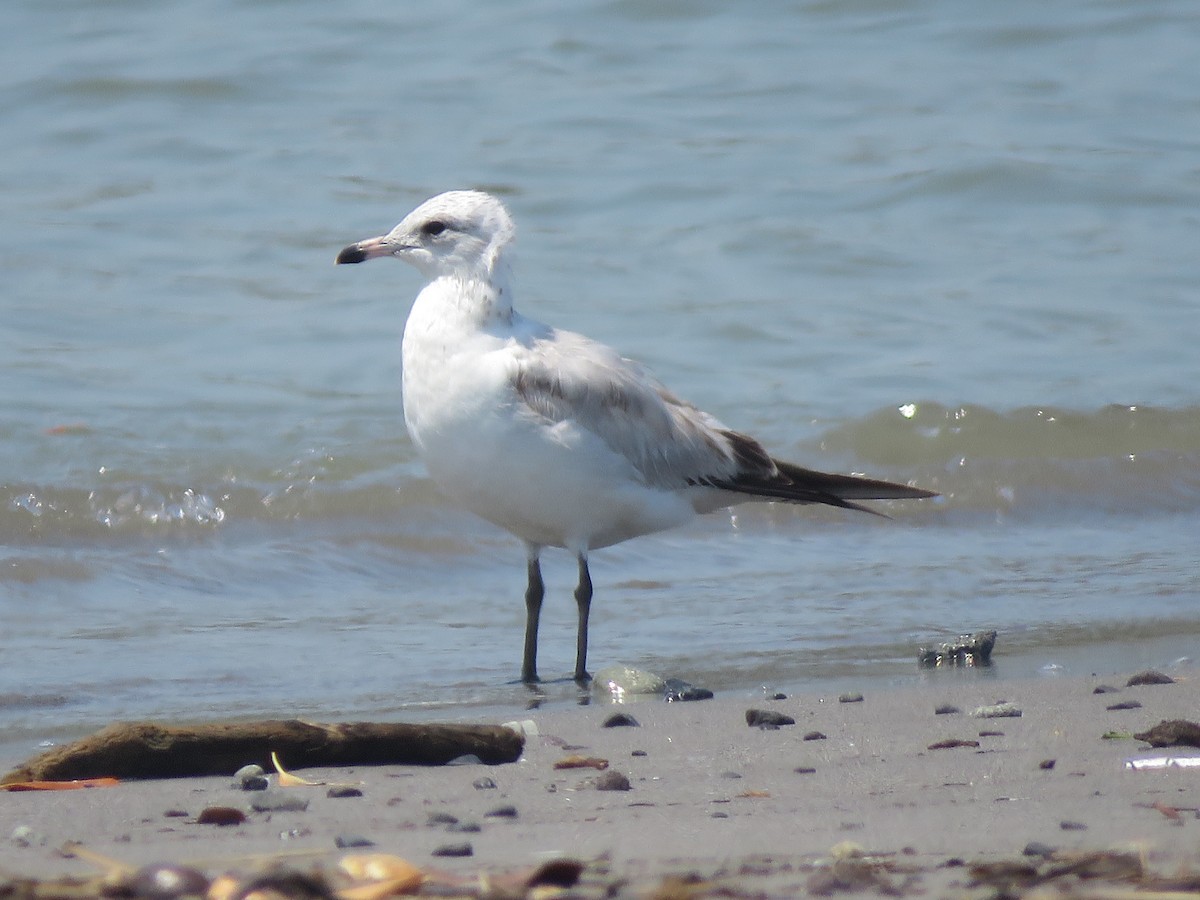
(713, 803)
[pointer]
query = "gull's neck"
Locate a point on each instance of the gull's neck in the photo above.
(476, 300)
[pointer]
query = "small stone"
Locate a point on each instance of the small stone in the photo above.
(1037, 848)
(279, 803)
(346, 841)
(639, 753)
(467, 759)
(166, 882)
(1072, 826)
(463, 849)
(767, 718)
(854, 697)
(483, 784)
(175, 814)
(1125, 704)
(501, 812)
(815, 736)
(613, 780)
(991, 734)
(621, 720)
(779, 695)
(339, 791)
(804, 770)
(220, 815)
(24, 836)
(947, 709)
(951, 743)
(441, 818)
(1149, 677)
(677, 690)
(1002, 710)
(731, 774)
(255, 783)
(1047, 764)
(1105, 689)
(464, 827)
(720, 815)
(254, 770)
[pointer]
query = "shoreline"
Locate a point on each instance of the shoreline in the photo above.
(706, 791)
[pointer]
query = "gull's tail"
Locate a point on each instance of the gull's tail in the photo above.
(795, 484)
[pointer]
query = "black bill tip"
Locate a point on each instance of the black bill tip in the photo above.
(352, 254)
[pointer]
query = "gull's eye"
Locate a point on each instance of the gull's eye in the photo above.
(433, 228)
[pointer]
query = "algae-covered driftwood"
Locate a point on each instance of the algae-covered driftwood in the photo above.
(150, 750)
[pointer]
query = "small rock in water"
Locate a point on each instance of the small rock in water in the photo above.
(1149, 677)
(613, 781)
(346, 841)
(679, 691)
(969, 650)
(854, 697)
(621, 720)
(279, 803)
(767, 718)
(483, 784)
(343, 790)
(463, 849)
(619, 681)
(1002, 710)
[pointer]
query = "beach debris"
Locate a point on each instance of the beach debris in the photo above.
(815, 736)
(951, 743)
(71, 785)
(441, 818)
(342, 791)
(1163, 762)
(754, 794)
(621, 720)
(619, 682)
(575, 761)
(850, 869)
(149, 750)
(1172, 733)
(507, 811)
(1067, 825)
(853, 697)
(1150, 676)
(1001, 710)
(24, 836)
(464, 828)
(484, 784)
(1037, 848)
(1117, 736)
(1125, 704)
(804, 770)
(947, 709)
(988, 733)
(613, 781)
(461, 849)
(966, 651)
(1169, 811)
(220, 815)
(677, 690)
(1047, 764)
(1105, 689)
(767, 718)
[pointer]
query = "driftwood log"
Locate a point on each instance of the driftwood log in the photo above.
(149, 750)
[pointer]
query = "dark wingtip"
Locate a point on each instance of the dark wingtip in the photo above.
(352, 254)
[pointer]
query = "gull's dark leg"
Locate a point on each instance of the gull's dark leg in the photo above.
(583, 599)
(535, 590)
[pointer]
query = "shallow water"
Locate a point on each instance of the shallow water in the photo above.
(910, 239)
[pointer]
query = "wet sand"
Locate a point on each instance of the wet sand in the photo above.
(710, 798)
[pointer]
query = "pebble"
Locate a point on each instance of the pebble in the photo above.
(165, 882)
(441, 818)
(255, 783)
(851, 698)
(767, 718)
(804, 770)
(1105, 689)
(1037, 848)
(346, 841)
(254, 770)
(613, 780)
(947, 709)
(175, 814)
(639, 753)
(279, 803)
(463, 849)
(678, 690)
(1047, 764)
(464, 827)
(815, 736)
(220, 815)
(501, 812)
(1002, 710)
(339, 791)
(779, 695)
(621, 720)
(483, 784)
(24, 836)
(1127, 704)
(1149, 677)
(1072, 826)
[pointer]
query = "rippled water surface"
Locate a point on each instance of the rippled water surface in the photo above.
(926, 241)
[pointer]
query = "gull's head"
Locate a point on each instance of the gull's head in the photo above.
(458, 233)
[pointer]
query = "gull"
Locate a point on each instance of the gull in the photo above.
(550, 435)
